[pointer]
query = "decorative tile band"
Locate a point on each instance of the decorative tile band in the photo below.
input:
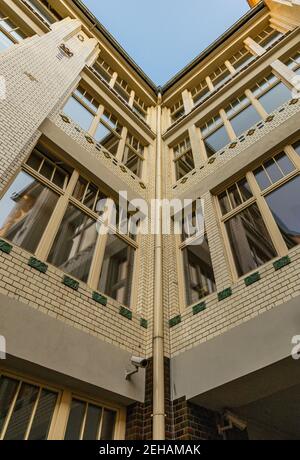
(144, 323)
(37, 265)
(99, 298)
(280, 263)
(5, 247)
(174, 321)
(73, 284)
(224, 294)
(251, 279)
(199, 308)
(126, 313)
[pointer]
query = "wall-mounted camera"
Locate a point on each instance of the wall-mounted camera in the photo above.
(138, 363)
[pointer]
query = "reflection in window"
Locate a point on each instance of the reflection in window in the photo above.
(198, 271)
(90, 422)
(78, 113)
(250, 242)
(30, 410)
(275, 97)
(116, 273)
(296, 147)
(244, 120)
(273, 170)
(73, 248)
(216, 141)
(9, 33)
(285, 206)
(25, 210)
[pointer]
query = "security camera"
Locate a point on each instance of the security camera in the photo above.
(233, 421)
(137, 362)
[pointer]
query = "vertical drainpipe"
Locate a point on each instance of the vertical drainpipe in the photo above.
(158, 314)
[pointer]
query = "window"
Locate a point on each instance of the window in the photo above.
(242, 114)
(116, 274)
(82, 108)
(42, 11)
(133, 155)
(108, 132)
(214, 135)
(241, 59)
(103, 70)
(177, 110)
(200, 93)
(268, 37)
(296, 147)
(26, 410)
(139, 107)
(271, 93)
(28, 204)
(10, 33)
(122, 88)
(88, 421)
(246, 221)
(220, 76)
(198, 271)
(184, 161)
(74, 245)
(294, 62)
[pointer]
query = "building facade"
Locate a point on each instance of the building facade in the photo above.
(217, 321)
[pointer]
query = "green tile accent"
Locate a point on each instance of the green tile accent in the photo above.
(126, 313)
(144, 323)
(67, 281)
(199, 308)
(280, 263)
(174, 321)
(224, 294)
(38, 265)
(251, 279)
(5, 247)
(99, 298)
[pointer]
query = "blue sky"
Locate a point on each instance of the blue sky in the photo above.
(180, 29)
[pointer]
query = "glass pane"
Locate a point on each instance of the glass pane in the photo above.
(198, 271)
(59, 178)
(224, 203)
(78, 113)
(74, 244)
(47, 169)
(25, 210)
(43, 416)
(116, 274)
(75, 420)
(262, 178)
(244, 189)
(132, 161)
(276, 97)
(5, 42)
(284, 163)
(234, 196)
(8, 388)
(92, 422)
(297, 147)
(107, 138)
(35, 160)
(250, 242)
(244, 120)
(21, 415)
(184, 165)
(216, 141)
(273, 171)
(90, 197)
(285, 206)
(108, 425)
(80, 188)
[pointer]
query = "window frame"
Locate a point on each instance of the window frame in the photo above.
(258, 197)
